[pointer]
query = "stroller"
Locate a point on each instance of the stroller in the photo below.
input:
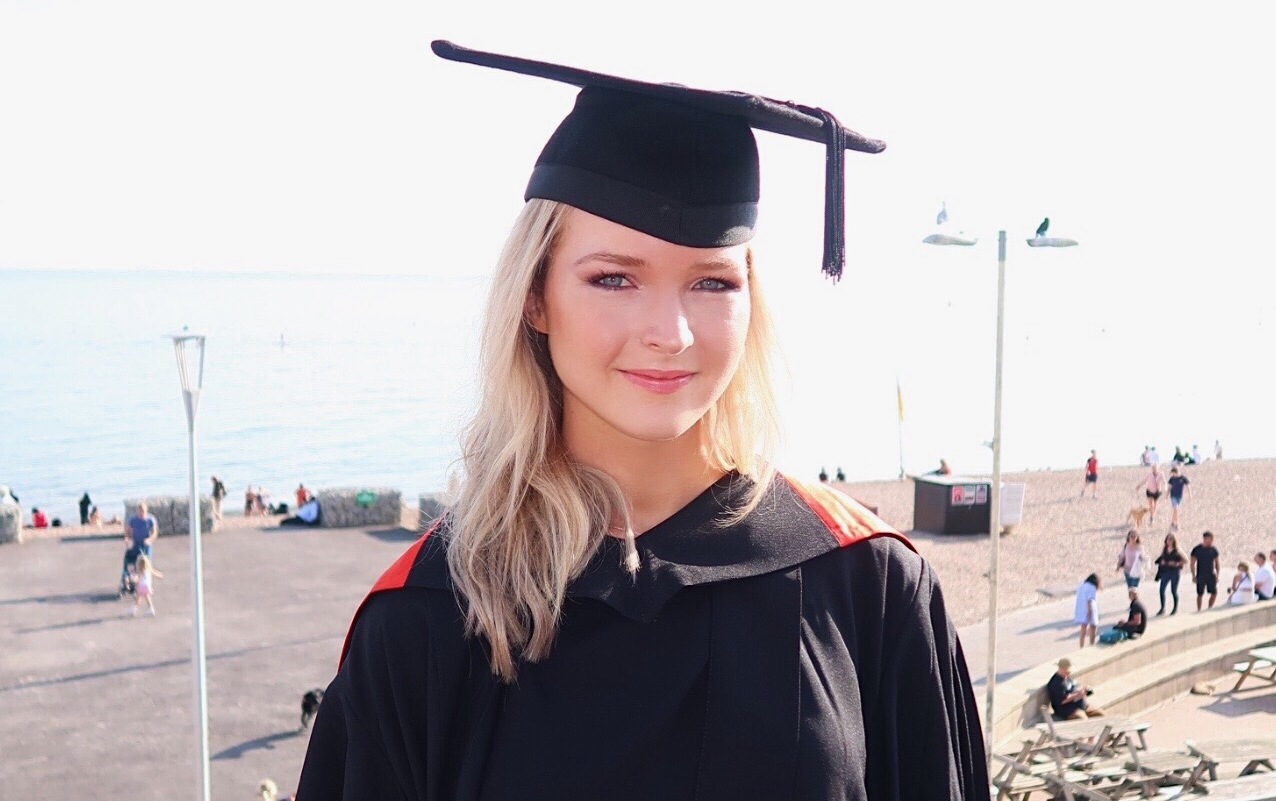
(128, 586)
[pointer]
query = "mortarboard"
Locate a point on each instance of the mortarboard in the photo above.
(677, 163)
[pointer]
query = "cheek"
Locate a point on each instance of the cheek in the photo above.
(722, 330)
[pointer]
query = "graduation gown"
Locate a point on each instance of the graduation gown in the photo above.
(778, 658)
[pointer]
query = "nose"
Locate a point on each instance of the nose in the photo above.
(666, 327)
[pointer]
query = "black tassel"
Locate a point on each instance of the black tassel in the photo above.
(834, 196)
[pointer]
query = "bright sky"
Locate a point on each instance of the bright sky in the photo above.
(278, 135)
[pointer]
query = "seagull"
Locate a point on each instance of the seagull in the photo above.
(1041, 229)
(942, 217)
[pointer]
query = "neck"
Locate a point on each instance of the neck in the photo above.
(656, 478)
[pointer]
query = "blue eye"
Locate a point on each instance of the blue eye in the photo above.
(609, 281)
(717, 285)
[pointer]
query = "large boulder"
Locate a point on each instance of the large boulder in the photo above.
(10, 523)
(172, 513)
(345, 507)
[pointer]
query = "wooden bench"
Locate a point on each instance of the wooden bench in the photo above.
(1255, 787)
(1259, 659)
(1254, 752)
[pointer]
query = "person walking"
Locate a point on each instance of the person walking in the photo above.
(1178, 485)
(1091, 476)
(1169, 566)
(1152, 485)
(1205, 568)
(144, 575)
(1131, 561)
(219, 495)
(140, 530)
(86, 503)
(1085, 612)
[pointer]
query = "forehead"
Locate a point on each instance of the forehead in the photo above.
(587, 237)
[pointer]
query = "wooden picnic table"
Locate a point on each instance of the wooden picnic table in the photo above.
(1255, 787)
(1105, 733)
(1254, 752)
(1258, 659)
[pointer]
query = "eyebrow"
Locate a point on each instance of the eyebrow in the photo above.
(625, 260)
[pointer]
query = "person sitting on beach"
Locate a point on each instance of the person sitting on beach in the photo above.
(250, 501)
(1264, 578)
(1242, 589)
(1067, 698)
(95, 517)
(1196, 455)
(1137, 621)
(39, 519)
(303, 495)
(307, 514)
(839, 475)
(1179, 456)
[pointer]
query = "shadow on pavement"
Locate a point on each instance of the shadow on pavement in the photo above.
(395, 534)
(266, 743)
(74, 624)
(167, 663)
(65, 598)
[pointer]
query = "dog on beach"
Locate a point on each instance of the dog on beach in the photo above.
(1137, 514)
(309, 706)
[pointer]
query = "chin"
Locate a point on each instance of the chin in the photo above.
(656, 427)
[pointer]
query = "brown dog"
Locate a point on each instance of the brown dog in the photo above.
(1137, 514)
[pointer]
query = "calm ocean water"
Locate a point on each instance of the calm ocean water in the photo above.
(357, 380)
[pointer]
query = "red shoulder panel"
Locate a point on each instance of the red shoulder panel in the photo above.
(861, 526)
(394, 578)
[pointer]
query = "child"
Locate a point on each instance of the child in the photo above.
(144, 576)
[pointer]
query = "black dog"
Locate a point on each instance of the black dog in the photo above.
(309, 706)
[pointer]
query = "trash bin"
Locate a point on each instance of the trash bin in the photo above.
(951, 504)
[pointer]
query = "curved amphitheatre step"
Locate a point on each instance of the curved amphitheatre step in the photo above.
(1132, 676)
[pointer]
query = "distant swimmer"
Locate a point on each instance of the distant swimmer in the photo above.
(1041, 229)
(942, 217)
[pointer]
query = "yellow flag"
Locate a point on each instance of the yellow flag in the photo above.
(899, 398)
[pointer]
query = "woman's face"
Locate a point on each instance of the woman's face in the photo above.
(644, 335)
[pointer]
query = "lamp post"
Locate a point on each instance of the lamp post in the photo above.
(994, 514)
(192, 378)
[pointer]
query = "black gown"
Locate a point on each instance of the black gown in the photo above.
(779, 658)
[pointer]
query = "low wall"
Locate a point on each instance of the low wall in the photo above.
(433, 505)
(172, 513)
(1019, 699)
(10, 524)
(340, 508)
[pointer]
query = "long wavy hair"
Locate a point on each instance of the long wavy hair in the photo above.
(528, 517)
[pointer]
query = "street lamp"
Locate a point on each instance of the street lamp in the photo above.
(944, 237)
(190, 369)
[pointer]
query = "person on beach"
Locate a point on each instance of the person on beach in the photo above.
(1091, 476)
(144, 575)
(1196, 455)
(839, 476)
(626, 598)
(85, 503)
(1146, 458)
(303, 495)
(1179, 457)
(1178, 484)
(1131, 561)
(250, 501)
(95, 518)
(1169, 566)
(1242, 589)
(1205, 569)
(218, 495)
(1218, 451)
(39, 519)
(1152, 486)
(1068, 700)
(1264, 578)
(1086, 610)
(1136, 621)
(824, 476)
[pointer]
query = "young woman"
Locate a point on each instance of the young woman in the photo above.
(1085, 611)
(1242, 589)
(1169, 567)
(1131, 561)
(626, 601)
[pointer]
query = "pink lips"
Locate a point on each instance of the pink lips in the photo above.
(662, 382)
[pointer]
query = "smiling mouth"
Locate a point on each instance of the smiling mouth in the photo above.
(662, 382)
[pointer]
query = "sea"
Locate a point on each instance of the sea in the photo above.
(366, 381)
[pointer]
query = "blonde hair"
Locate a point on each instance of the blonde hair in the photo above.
(528, 517)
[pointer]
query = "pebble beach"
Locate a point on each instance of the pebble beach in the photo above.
(1064, 537)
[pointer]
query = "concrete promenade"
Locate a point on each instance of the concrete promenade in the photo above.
(97, 704)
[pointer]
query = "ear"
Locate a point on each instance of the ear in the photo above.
(534, 313)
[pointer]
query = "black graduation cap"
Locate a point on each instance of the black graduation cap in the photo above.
(677, 163)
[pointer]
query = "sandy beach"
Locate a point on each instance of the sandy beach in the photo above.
(1064, 537)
